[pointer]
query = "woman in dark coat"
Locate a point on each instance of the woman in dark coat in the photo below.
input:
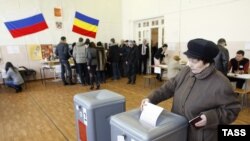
(101, 62)
(200, 90)
(92, 65)
(132, 62)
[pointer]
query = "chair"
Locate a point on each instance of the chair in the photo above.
(57, 72)
(244, 93)
(149, 78)
(27, 73)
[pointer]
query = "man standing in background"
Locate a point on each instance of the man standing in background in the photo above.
(144, 54)
(131, 61)
(114, 55)
(62, 51)
(222, 59)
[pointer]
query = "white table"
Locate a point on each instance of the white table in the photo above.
(240, 76)
(246, 77)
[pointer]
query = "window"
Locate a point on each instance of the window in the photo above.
(162, 35)
(156, 22)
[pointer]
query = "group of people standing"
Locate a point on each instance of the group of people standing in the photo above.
(89, 60)
(94, 61)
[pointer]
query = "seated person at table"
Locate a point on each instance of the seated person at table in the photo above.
(239, 65)
(13, 77)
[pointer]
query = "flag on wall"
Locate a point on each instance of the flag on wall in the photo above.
(85, 25)
(27, 25)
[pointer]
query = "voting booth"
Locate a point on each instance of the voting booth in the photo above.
(93, 110)
(126, 126)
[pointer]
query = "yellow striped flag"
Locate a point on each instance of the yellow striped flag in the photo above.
(85, 25)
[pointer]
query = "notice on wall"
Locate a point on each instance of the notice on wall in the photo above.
(1, 58)
(247, 46)
(13, 50)
(47, 50)
(35, 52)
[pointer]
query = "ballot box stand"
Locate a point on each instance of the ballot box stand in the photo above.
(92, 113)
(127, 126)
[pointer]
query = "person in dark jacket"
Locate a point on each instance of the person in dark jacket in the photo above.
(101, 62)
(62, 51)
(124, 53)
(132, 61)
(143, 57)
(93, 65)
(200, 90)
(222, 59)
(158, 58)
(239, 65)
(114, 55)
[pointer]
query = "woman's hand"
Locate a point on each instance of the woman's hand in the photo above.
(202, 122)
(144, 102)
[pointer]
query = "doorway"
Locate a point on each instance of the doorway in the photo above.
(154, 36)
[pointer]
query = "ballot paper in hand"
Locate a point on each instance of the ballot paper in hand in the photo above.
(150, 114)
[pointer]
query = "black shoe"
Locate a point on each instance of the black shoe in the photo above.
(18, 90)
(133, 83)
(92, 87)
(98, 87)
(71, 83)
(65, 83)
(128, 82)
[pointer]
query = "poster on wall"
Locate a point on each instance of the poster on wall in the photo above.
(247, 46)
(47, 51)
(57, 12)
(35, 52)
(13, 49)
(1, 58)
(59, 25)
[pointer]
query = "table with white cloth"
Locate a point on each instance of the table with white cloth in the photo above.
(246, 77)
(53, 66)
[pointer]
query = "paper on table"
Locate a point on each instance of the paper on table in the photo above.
(120, 138)
(157, 70)
(150, 114)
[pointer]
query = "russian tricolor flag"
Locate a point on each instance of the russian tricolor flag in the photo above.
(27, 25)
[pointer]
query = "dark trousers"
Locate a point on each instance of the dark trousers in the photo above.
(132, 73)
(142, 64)
(101, 76)
(83, 73)
(65, 68)
(80, 72)
(116, 71)
(93, 76)
(12, 85)
(239, 82)
(125, 68)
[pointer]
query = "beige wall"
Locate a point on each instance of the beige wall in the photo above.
(108, 12)
(188, 19)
